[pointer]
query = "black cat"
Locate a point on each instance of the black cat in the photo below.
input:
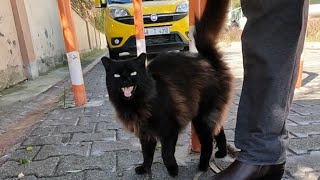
(156, 102)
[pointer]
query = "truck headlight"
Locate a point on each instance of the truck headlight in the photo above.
(183, 7)
(116, 12)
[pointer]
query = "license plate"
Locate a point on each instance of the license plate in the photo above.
(156, 31)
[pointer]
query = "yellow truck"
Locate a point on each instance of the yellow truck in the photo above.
(166, 25)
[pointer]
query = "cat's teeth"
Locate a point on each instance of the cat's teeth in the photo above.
(127, 91)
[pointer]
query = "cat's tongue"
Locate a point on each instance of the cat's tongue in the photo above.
(127, 91)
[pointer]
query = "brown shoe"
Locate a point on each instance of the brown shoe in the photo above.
(242, 171)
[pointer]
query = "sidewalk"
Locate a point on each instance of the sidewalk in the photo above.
(21, 105)
(87, 142)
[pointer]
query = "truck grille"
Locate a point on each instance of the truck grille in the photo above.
(162, 18)
(158, 39)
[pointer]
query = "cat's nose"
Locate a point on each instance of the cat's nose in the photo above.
(126, 81)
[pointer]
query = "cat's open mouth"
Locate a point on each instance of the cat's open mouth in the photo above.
(128, 91)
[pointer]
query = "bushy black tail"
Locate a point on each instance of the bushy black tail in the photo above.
(207, 29)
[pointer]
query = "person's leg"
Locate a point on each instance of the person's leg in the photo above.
(271, 61)
(271, 54)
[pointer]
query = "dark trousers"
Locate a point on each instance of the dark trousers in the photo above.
(272, 42)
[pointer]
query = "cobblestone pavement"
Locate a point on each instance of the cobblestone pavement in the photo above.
(22, 105)
(88, 143)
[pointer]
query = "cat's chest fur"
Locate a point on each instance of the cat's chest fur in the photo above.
(135, 119)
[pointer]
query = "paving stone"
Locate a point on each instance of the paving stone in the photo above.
(303, 145)
(304, 166)
(307, 103)
(54, 116)
(110, 114)
(38, 168)
(236, 100)
(106, 162)
(232, 112)
(105, 126)
(91, 112)
(307, 176)
(131, 175)
(305, 131)
(206, 175)
(99, 148)
(305, 120)
(71, 122)
(125, 135)
(289, 153)
(223, 162)
(100, 175)
(44, 140)
(291, 123)
(89, 128)
(73, 113)
(183, 155)
(107, 106)
(87, 120)
(160, 172)
(296, 105)
(24, 154)
(24, 178)
(183, 139)
(307, 111)
(230, 123)
(98, 100)
(59, 111)
(81, 149)
(229, 135)
(43, 131)
(233, 146)
(85, 137)
(73, 176)
(127, 161)
(286, 176)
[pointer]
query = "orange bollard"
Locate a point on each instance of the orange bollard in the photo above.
(299, 80)
(196, 8)
(73, 55)
(139, 27)
(195, 143)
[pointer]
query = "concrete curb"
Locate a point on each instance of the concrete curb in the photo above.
(35, 109)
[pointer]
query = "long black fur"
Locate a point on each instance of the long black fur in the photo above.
(173, 90)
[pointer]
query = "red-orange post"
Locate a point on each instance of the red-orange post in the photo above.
(139, 27)
(73, 55)
(299, 80)
(196, 8)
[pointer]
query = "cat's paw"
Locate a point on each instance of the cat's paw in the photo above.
(220, 154)
(203, 166)
(142, 169)
(173, 170)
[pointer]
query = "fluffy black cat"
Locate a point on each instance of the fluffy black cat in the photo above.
(158, 101)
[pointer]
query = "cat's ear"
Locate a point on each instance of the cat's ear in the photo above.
(106, 62)
(141, 59)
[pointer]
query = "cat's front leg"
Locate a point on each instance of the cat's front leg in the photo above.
(168, 149)
(148, 144)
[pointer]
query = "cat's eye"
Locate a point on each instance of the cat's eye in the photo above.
(133, 73)
(116, 75)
